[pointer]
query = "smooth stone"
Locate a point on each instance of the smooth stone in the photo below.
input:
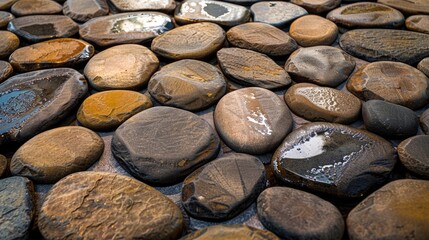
(144, 5)
(188, 84)
(6, 4)
(414, 154)
(424, 121)
(252, 120)
(5, 18)
(321, 65)
(316, 103)
(127, 66)
(261, 37)
(6, 70)
(224, 187)
(334, 159)
(222, 13)
(162, 145)
(17, 208)
(9, 43)
(398, 210)
(423, 66)
(135, 27)
(276, 13)
(418, 23)
(318, 6)
(230, 232)
(312, 30)
(62, 52)
(408, 7)
(386, 45)
(366, 15)
(33, 102)
(107, 110)
(295, 214)
(35, 7)
(389, 120)
(89, 205)
(195, 41)
(394, 82)
(37, 28)
(3, 165)
(85, 10)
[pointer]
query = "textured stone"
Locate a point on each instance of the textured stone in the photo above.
(312, 30)
(35, 7)
(424, 66)
(84, 10)
(230, 232)
(418, 23)
(5, 70)
(5, 18)
(408, 7)
(424, 121)
(276, 13)
(414, 154)
(3, 165)
(6, 4)
(318, 6)
(9, 43)
(144, 5)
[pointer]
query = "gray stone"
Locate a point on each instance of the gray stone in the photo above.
(84, 10)
(144, 5)
(276, 13)
(424, 121)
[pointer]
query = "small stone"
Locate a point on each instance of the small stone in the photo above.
(317, 7)
(6, 4)
(188, 84)
(60, 52)
(101, 205)
(5, 18)
(414, 154)
(3, 165)
(85, 10)
(107, 110)
(35, 7)
(424, 66)
(144, 5)
(127, 66)
(418, 23)
(9, 43)
(5, 70)
(312, 30)
(196, 41)
(230, 232)
(263, 38)
(276, 13)
(408, 7)
(251, 68)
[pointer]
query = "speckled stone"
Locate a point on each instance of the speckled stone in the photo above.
(408, 7)
(424, 66)
(318, 6)
(414, 154)
(5, 70)
(276, 13)
(418, 23)
(424, 121)
(84, 10)
(35, 7)
(144, 5)
(3, 165)
(9, 43)
(230, 232)
(312, 30)
(5, 18)
(6, 4)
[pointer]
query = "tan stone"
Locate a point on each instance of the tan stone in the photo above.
(9, 43)
(312, 30)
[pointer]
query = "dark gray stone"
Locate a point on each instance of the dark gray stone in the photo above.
(424, 121)
(84, 10)
(414, 154)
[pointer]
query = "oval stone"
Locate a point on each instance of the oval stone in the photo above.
(312, 30)
(334, 159)
(88, 205)
(144, 5)
(414, 154)
(230, 232)
(318, 6)
(84, 10)
(276, 13)
(9, 43)
(418, 23)
(35, 7)
(5, 70)
(5, 18)
(424, 121)
(3, 165)
(408, 7)
(6, 4)
(424, 66)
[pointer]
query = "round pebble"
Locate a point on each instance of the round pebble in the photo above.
(418, 23)
(9, 43)
(5, 70)
(153, 5)
(408, 7)
(414, 154)
(5, 18)
(35, 7)
(85, 10)
(312, 30)
(424, 66)
(276, 13)
(230, 232)
(3, 165)
(318, 6)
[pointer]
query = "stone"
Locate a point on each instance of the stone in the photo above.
(316, 103)
(334, 159)
(224, 187)
(250, 68)
(3, 165)
(418, 23)
(312, 30)
(366, 15)
(295, 214)
(398, 210)
(62, 52)
(88, 205)
(107, 110)
(389, 120)
(35, 7)
(276, 13)
(386, 45)
(317, 7)
(321, 65)
(5, 70)
(137, 27)
(222, 13)
(424, 121)
(394, 82)
(5, 18)
(414, 154)
(162, 145)
(261, 37)
(144, 5)
(85, 10)
(195, 41)
(6, 4)
(34, 102)
(230, 232)
(37, 28)
(9, 43)
(408, 7)
(127, 66)
(423, 66)
(252, 120)
(188, 84)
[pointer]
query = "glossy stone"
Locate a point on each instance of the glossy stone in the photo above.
(414, 154)
(35, 7)
(5, 18)
(230, 232)
(424, 121)
(418, 23)
(408, 7)
(318, 6)
(5, 70)
(9, 43)
(144, 5)
(84, 10)
(3, 165)
(312, 30)
(276, 13)
(424, 66)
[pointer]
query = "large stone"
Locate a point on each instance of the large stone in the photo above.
(144, 5)
(9, 43)
(230, 232)
(276, 13)
(35, 7)
(5, 18)
(408, 7)
(84, 10)
(318, 6)
(5, 70)
(414, 154)
(312, 30)
(418, 23)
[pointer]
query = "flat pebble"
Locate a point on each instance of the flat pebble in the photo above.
(85, 10)
(312, 30)
(230, 232)
(5, 70)
(3, 165)
(408, 7)
(418, 23)
(318, 6)
(9, 43)
(414, 154)
(276, 13)
(35, 7)
(5, 18)
(144, 5)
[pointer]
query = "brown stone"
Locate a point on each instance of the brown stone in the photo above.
(424, 66)
(144, 5)
(276, 13)
(418, 23)
(9, 43)
(35, 7)
(318, 6)
(3, 165)
(424, 121)
(5, 18)
(312, 30)
(414, 154)
(230, 232)
(5, 70)
(6, 4)
(408, 7)
(84, 10)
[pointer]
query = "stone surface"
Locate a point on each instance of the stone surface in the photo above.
(334, 159)
(318, 6)
(62, 52)
(188, 84)
(5, 18)
(394, 82)
(16, 208)
(418, 23)
(9, 43)
(321, 65)
(316, 103)
(127, 66)
(408, 7)
(33, 102)
(424, 66)
(252, 120)
(124, 28)
(386, 44)
(224, 187)
(251, 68)
(5, 70)
(6, 4)
(230, 232)
(88, 205)
(3, 165)
(196, 41)
(424, 121)
(399, 210)
(162, 145)
(84, 10)
(143, 5)
(276, 13)
(35, 7)
(312, 30)
(414, 154)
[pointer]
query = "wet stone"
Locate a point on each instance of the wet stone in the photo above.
(418, 23)
(394, 82)
(5, 70)
(84, 10)
(62, 52)
(316, 103)
(124, 28)
(224, 187)
(9, 43)
(424, 66)
(317, 7)
(222, 13)
(424, 121)
(33, 102)
(398, 210)
(334, 159)
(321, 65)
(162, 145)
(6, 4)
(144, 5)
(414, 154)
(43, 27)
(88, 205)
(263, 38)
(188, 84)
(312, 30)
(230, 232)
(36, 7)
(251, 68)
(252, 120)
(276, 13)
(408, 7)
(196, 41)
(127, 66)
(3, 165)
(5, 18)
